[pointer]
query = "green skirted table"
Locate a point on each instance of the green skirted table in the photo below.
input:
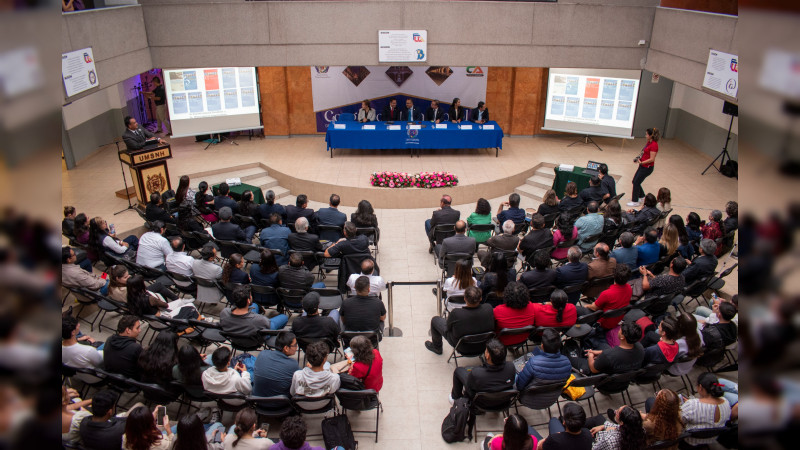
(562, 178)
(237, 191)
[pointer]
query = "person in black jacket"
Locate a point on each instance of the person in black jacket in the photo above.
(223, 199)
(494, 376)
(704, 265)
(102, 430)
(474, 318)
(300, 209)
(121, 352)
(153, 211)
(225, 230)
(313, 325)
(351, 243)
(444, 215)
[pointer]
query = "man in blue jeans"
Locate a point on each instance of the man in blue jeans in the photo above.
(242, 321)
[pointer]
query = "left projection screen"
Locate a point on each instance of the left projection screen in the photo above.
(212, 100)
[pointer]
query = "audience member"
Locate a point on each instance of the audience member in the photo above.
(303, 241)
(546, 364)
(568, 431)
(266, 209)
(365, 217)
(222, 379)
(154, 248)
(571, 201)
(601, 266)
(713, 228)
(312, 325)
(541, 275)
(708, 316)
(367, 363)
(496, 278)
(314, 380)
(189, 368)
(628, 356)
(666, 349)
(723, 333)
(662, 422)
(617, 296)
(514, 213)
(648, 250)
(495, 375)
(232, 272)
(362, 312)
(179, 261)
(670, 240)
(204, 202)
(224, 200)
(709, 410)
(730, 224)
(608, 183)
(558, 313)
(121, 352)
(143, 302)
(690, 344)
(455, 286)
(242, 321)
(74, 276)
(331, 216)
(265, 273)
(473, 318)
(594, 192)
(538, 238)
(516, 312)
(566, 231)
(626, 253)
(225, 230)
(351, 243)
(445, 215)
(481, 216)
(644, 216)
(103, 430)
(668, 283)
(73, 353)
(157, 360)
(300, 209)
(118, 287)
(293, 435)
(154, 210)
(100, 240)
(73, 412)
(274, 369)
(664, 203)
(459, 243)
(247, 208)
(505, 242)
(376, 282)
(625, 433)
(516, 434)
(549, 204)
(243, 435)
(693, 227)
(573, 273)
(81, 229)
(613, 221)
(276, 237)
(704, 265)
(589, 227)
(295, 275)
(192, 435)
(68, 222)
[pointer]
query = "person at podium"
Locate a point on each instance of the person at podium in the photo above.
(136, 137)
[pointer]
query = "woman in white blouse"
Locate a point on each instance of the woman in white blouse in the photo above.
(366, 113)
(458, 283)
(101, 239)
(709, 410)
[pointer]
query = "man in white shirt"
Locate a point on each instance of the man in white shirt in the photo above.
(74, 354)
(376, 282)
(154, 247)
(179, 262)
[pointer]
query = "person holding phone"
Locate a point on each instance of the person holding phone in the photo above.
(243, 435)
(142, 433)
(191, 434)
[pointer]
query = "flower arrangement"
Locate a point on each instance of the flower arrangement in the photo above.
(427, 180)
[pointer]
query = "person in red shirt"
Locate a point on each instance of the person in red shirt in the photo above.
(666, 349)
(646, 164)
(368, 365)
(516, 312)
(558, 312)
(618, 295)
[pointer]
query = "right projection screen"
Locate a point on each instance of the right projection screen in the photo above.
(598, 102)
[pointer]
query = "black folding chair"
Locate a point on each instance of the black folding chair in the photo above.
(373, 336)
(542, 396)
(291, 299)
(233, 402)
(541, 294)
(526, 331)
(483, 402)
(588, 384)
(365, 400)
(277, 407)
(441, 232)
(373, 234)
(471, 346)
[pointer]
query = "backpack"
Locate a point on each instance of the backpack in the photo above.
(455, 425)
(730, 169)
(336, 432)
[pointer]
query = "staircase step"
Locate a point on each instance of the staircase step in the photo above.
(264, 182)
(281, 192)
(540, 181)
(245, 175)
(546, 172)
(531, 191)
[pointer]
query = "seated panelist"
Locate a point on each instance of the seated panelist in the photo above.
(366, 113)
(411, 114)
(480, 114)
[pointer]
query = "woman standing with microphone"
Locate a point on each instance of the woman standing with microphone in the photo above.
(646, 162)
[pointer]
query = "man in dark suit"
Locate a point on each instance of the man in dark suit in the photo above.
(303, 241)
(444, 215)
(538, 237)
(136, 137)
(266, 209)
(224, 200)
(224, 230)
(411, 114)
(479, 114)
(153, 211)
(434, 113)
(572, 273)
(594, 193)
(704, 265)
(300, 210)
(460, 243)
(391, 113)
(331, 216)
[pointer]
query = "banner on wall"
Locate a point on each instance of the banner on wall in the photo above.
(340, 89)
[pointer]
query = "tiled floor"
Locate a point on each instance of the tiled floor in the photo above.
(417, 382)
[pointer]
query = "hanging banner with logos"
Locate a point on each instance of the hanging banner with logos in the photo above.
(722, 73)
(402, 46)
(78, 71)
(341, 89)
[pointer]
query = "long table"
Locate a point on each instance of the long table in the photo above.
(353, 135)
(562, 178)
(237, 191)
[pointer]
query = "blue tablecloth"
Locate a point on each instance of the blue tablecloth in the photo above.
(353, 136)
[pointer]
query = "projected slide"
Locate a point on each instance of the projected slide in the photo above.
(212, 100)
(599, 102)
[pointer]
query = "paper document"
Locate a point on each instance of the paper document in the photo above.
(415, 127)
(393, 127)
(488, 127)
(339, 126)
(466, 127)
(441, 126)
(368, 127)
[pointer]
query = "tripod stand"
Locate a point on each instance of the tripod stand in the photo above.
(586, 140)
(219, 140)
(724, 153)
(124, 180)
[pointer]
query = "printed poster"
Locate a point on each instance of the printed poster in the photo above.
(229, 78)
(609, 89)
(607, 109)
(573, 105)
(627, 89)
(211, 79)
(624, 111)
(245, 78)
(592, 88)
(231, 100)
(213, 102)
(179, 105)
(190, 80)
(176, 82)
(572, 86)
(557, 106)
(248, 97)
(589, 108)
(195, 102)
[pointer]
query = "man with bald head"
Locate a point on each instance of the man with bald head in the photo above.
(460, 243)
(444, 215)
(601, 266)
(376, 282)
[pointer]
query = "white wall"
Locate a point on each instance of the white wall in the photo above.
(702, 105)
(86, 108)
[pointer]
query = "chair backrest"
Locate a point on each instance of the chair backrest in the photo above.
(474, 344)
(227, 248)
(598, 284)
(550, 219)
(351, 264)
(264, 295)
(589, 318)
(619, 312)
(232, 402)
(208, 291)
(450, 261)
(521, 227)
(346, 336)
(494, 401)
(697, 287)
(658, 306)
(244, 342)
(706, 433)
(617, 382)
(541, 294)
(574, 292)
(443, 231)
(245, 221)
(370, 232)
(516, 331)
(314, 405)
(364, 400)
(541, 396)
(510, 255)
(480, 227)
(588, 381)
(155, 393)
(292, 298)
(274, 407)
(567, 244)
(652, 372)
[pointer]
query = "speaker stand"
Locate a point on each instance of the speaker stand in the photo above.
(586, 140)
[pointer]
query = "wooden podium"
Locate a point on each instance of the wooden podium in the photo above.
(148, 168)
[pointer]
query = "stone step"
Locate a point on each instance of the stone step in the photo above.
(214, 173)
(546, 172)
(245, 175)
(531, 191)
(282, 192)
(540, 182)
(264, 182)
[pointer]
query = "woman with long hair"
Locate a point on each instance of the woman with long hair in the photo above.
(101, 239)
(690, 345)
(144, 303)
(566, 231)
(670, 240)
(189, 367)
(205, 203)
(184, 193)
(365, 217)
(662, 422)
(693, 225)
(248, 209)
(627, 434)
(118, 285)
(710, 409)
(664, 198)
(265, 273)
(157, 360)
(549, 204)
(193, 435)
(481, 216)
(686, 249)
(80, 229)
(515, 436)
(559, 312)
(571, 201)
(456, 112)
(243, 434)
(497, 278)
(368, 365)
(233, 273)
(646, 164)
(516, 312)
(456, 285)
(141, 432)
(613, 219)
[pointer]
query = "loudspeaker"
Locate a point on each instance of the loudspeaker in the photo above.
(730, 109)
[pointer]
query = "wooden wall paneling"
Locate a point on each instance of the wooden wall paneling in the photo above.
(274, 107)
(525, 100)
(301, 103)
(499, 85)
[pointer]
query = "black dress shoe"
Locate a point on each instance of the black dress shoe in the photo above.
(429, 345)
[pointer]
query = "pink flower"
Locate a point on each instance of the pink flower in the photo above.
(391, 184)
